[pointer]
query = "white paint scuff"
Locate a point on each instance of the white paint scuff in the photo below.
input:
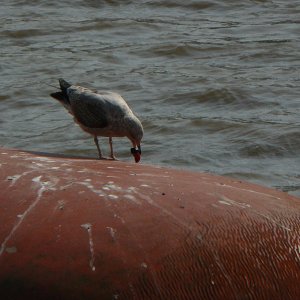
(16, 177)
(112, 232)
(88, 184)
(41, 158)
(227, 201)
(43, 186)
(246, 190)
(88, 227)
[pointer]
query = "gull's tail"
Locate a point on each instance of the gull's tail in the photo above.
(64, 85)
(62, 96)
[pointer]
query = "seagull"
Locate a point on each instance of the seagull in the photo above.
(101, 114)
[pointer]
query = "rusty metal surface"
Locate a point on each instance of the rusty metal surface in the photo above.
(79, 228)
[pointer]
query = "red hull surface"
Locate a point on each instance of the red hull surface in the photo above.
(96, 229)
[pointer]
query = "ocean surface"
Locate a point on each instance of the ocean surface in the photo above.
(215, 83)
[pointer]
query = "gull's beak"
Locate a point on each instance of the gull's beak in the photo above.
(136, 153)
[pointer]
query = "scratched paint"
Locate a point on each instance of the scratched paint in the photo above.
(246, 190)
(42, 187)
(224, 202)
(227, 201)
(88, 227)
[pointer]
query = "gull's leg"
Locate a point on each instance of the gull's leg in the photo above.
(111, 148)
(98, 147)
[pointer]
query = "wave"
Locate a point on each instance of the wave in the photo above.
(182, 4)
(237, 98)
(23, 33)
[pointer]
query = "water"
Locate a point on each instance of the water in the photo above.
(215, 83)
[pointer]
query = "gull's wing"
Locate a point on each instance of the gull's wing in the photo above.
(95, 110)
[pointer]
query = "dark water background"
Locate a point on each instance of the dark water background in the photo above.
(215, 83)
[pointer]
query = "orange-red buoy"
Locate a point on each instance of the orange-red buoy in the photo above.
(96, 229)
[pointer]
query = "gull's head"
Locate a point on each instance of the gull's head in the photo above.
(135, 135)
(136, 149)
(136, 152)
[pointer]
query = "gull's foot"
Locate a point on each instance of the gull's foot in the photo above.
(102, 158)
(107, 158)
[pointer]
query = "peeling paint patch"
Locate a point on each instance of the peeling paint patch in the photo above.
(113, 196)
(88, 227)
